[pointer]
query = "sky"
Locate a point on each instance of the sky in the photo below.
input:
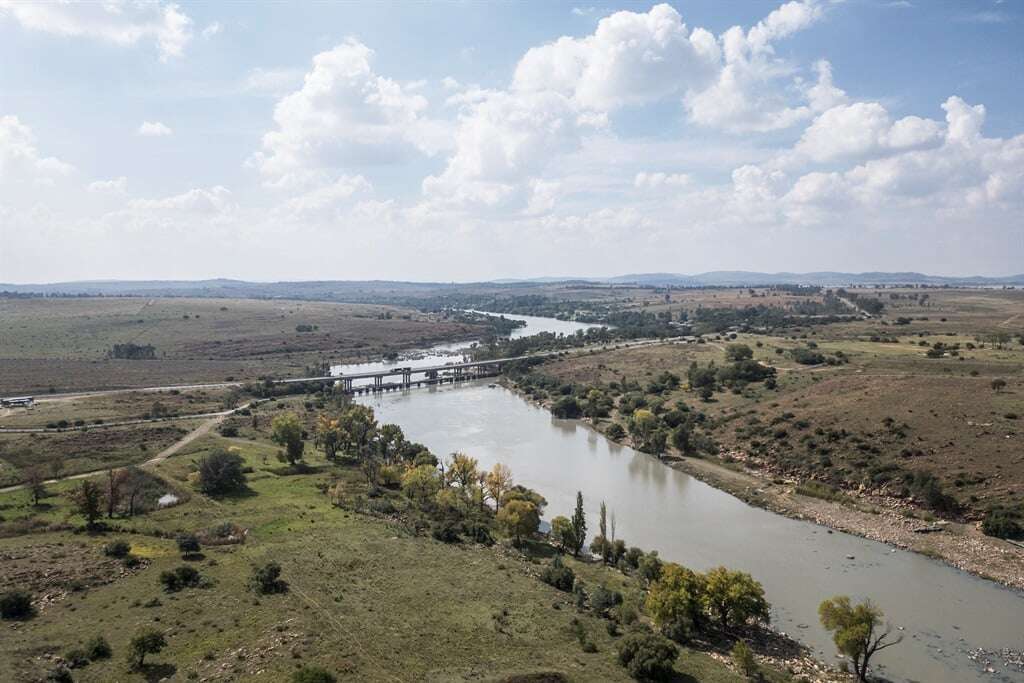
(462, 141)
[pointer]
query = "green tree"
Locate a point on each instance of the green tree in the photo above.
(313, 674)
(675, 600)
(220, 472)
(421, 484)
(328, 435)
(148, 641)
(579, 526)
(998, 384)
(358, 430)
(390, 442)
(88, 501)
(287, 432)
(734, 597)
(735, 352)
(855, 630)
(36, 484)
(562, 534)
(743, 660)
(519, 518)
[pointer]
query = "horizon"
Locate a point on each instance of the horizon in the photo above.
(437, 143)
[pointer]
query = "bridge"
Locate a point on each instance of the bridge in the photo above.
(431, 375)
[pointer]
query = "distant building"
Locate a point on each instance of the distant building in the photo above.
(17, 402)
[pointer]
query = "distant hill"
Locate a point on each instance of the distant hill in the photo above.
(376, 290)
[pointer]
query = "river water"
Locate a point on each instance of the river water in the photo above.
(942, 613)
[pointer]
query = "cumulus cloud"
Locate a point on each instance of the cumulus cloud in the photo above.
(863, 129)
(328, 197)
(154, 129)
(121, 22)
(212, 29)
(208, 201)
(344, 114)
(20, 159)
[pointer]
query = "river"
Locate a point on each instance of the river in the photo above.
(942, 613)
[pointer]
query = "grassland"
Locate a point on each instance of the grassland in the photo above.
(368, 599)
(63, 343)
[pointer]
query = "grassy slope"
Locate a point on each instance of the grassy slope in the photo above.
(367, 599)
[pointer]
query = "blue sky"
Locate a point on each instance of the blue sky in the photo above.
(470, 140)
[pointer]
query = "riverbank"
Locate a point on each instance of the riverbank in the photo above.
(888, 521)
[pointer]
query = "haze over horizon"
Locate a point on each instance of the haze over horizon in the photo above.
(472, 142)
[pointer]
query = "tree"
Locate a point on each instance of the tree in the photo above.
(146, 642)
(579, 526)
(88, 501)
(358, 429)
(287, 432)
(188, 544)
(116, 480)
(390, 441)
(734, 597)
(998, 384)
(558, 575)
(735, 352)
(854, 630)
(649, 566)
(35, 481)
(135, 484)
(497, 482)
(562, 533)
(220, 472)
(566, 408)
(462, 470)
(421, 483)
(327, 433)
(675, 600)
(647, 657)
(519, 518)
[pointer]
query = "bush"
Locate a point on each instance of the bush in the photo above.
(558, 575)
(16, 604)
(188, 544)
(61, 674)
(76, 658)
(313, 674)
(1002, 523)
(602, 599)
(148, 641)
(182, 577)
(118, 548)
(566, 407)
(98, 648)
(743, 659)
(615, 432)
(647, 656)
(267, 579)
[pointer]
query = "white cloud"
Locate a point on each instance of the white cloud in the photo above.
(658, 179)
(214, 200)
(328, 196)
(212, 29)
(345, 114)
(154, 129)
(274, 82)
(863, 129)
(19, 157)
(114, 186)
(121, 22)
(631, 58)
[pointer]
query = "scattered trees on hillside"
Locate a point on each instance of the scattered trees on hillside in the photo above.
(146, 642)
(682, 601)
(287, 432)
(855, 630)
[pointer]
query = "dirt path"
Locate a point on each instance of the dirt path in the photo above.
(200, 431)
(1006, 323)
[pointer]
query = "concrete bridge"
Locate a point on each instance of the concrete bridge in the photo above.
(450, 373)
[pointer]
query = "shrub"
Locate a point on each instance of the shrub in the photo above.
(267, 579)
(1002, 523)
(647, 656)
(76, 658)
(558, 575)
(602, 599)
(566, 407)
(743, 659)
(118, 548)
(313, 674)
(188, 544)
(615, 432)
(97, 647)
(61, 674)
(184, 576)
(16, 604)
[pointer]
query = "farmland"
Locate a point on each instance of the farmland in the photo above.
(65, 344)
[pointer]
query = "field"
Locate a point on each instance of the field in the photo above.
(368, 599)
(64, 344)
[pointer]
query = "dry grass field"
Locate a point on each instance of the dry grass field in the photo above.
(65, 343)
